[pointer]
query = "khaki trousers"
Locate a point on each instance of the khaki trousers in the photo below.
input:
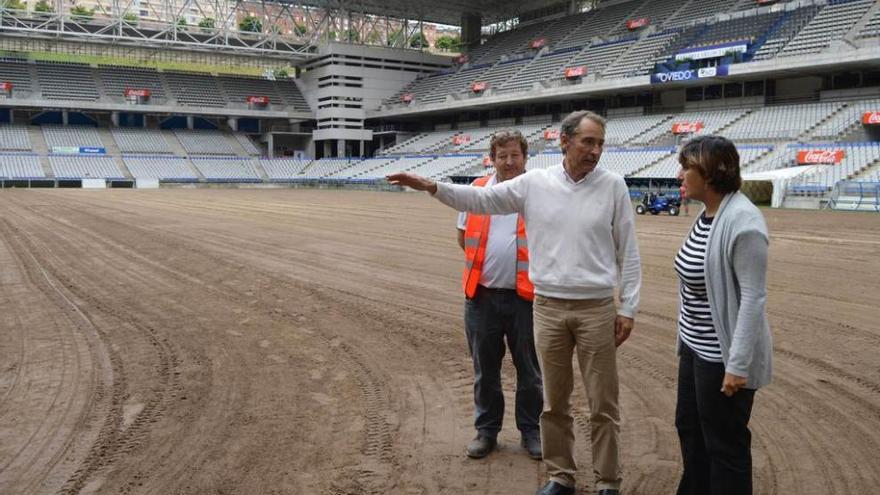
(563, 326)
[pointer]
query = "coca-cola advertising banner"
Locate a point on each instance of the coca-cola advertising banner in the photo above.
(687, 127)
(139, 93)
(871, 118)
(551, 134)
(575, 72)
(538, 43)
(6, 86)
(634, 24)
(812, 157)
(461, 139)
(258, 100)
(479, 86)
(407, 97)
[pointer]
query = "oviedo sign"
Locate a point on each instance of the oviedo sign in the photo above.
(688, 75)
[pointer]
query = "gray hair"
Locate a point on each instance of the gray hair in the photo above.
(571, 121)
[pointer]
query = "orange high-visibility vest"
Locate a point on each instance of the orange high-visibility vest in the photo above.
(476, 235)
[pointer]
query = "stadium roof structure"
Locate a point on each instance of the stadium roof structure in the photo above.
(444, 12)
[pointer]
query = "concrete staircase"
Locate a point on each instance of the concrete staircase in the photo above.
(38, 144)
(113, 151)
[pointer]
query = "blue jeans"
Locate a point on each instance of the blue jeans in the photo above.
(492, 316)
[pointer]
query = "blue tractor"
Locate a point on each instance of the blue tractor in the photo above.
(657, 203)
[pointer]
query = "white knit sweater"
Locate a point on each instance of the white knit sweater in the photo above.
(581, 236)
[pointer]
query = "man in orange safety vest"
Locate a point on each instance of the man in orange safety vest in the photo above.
(498, 305)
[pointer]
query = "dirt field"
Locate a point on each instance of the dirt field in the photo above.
(311, 342)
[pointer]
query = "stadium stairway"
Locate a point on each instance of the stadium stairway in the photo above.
(633, 139)
(759, 42)
(178, 150)
(809, 132)
(238, 147)
(853, 33)
(261, 172)
(646, 167)
(39, 146)
(113, 150)
(871, 171)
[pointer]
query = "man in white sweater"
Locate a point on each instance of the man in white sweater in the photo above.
(582, 243)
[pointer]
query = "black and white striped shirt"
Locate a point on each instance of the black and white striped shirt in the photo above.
(695, 326)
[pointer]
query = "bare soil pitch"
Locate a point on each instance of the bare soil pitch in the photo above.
(310, 342)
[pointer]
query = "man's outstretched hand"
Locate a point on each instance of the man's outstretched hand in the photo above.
(414, 181)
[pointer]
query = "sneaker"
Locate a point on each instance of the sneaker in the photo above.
(533, 447)
(480, 447)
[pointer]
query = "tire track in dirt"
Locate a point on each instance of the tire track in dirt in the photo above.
(378, 436)
(96, 395)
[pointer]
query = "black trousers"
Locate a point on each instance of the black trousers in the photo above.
(490, 318)
(713, 430)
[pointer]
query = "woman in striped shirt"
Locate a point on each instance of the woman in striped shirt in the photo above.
(723, 337)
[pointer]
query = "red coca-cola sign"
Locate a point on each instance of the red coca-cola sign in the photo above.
(634, 24)
(407, 97)
(871, 118)
(687, 127)
(461, 139)
(139, 93)
(538, 43)
(258, 100)
(575, 72)
(6, 86)
(551, 134)
(812, 157)
(479, 86)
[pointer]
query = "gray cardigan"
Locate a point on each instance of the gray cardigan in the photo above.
(736, 270)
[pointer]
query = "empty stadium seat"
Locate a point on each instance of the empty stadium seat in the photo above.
(14, 137)
(132, 140)
(226, 169)
(204, 142)
(283, 168)
(71, 137)
(20, 166)
(84, 167)
(159, 167)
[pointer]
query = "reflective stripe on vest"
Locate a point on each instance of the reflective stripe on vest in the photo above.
(476, 235)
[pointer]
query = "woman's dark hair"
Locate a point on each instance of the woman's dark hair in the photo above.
(716, 159)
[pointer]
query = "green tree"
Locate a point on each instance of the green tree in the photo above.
(352, 36)
(207, 23)
(374, 38)
(13, 5)
(251, 24)
(82, 13)
(300, 29)
(418, 41)
(448, 43)
(181, 21)
(131, 18)
(43, 6)
(281, 73)
(395, 37)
